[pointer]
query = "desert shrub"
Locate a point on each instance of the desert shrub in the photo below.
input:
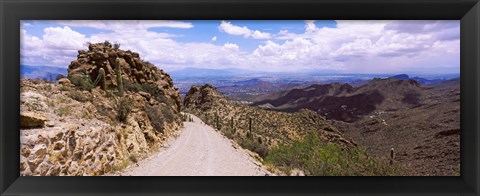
(156, 117)
(107, 44)
(321, 159)
(133, 87)
(105, 111)
(79, 96)
(116, 45)
(133, 158)
(157, 93)
(124, 107)
(82, 81)
(168, 113)
(63, 111)
(255, 146)
(229, 134)
(120, 165)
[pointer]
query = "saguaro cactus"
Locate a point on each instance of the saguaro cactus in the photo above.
(392, 156)
(250, 125)
(118, 71)
(216, 122)
(101, 79)
(232, 125)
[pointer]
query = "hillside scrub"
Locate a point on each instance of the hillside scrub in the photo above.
(328, 159)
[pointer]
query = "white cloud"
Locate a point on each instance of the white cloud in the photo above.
(260, 35)
(310, 26)
(125, 25)
(231, 46)
(370, 46)
(57, 47)
(62, 38)
(352, 46)
(244, 31)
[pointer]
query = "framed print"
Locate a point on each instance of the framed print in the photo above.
(239, 97)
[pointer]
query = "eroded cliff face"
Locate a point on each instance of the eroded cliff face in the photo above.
(78, 127)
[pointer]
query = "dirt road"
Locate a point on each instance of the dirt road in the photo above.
(199, 151)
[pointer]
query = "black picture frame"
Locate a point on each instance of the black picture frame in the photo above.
(12, 11)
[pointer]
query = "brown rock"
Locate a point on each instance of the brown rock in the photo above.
(83, 60)
(23, 166)
(74, 64)
(146, 95)
(41, 140)
(56, 157)
(58, 136)
(40, 151)
(53, 171)
(33, 164)
(58, 145)
(73, 168)
(32, 120)
(99, 56)
(65, 82)
(25, 151)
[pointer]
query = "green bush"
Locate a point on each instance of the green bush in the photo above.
(124, 107)
(107, 44)
(320, 159)
(132, 87)
(158, 115)
(82, 81)
(116, 45)
(157, 93)
(133, 158)
(255, 146)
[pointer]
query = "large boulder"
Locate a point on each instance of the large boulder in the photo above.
(32, 120)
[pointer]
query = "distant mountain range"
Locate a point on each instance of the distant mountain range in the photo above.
(418, 79)
(193, 72)
(347, 103)
(41, 72)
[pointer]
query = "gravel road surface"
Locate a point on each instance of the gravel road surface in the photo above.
(199, 151)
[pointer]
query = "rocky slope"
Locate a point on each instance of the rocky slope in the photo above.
(346, 103)
(267, 128)
(421, 122)
(85, 126)
(426, 137)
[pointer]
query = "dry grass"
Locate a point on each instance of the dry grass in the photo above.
(120, 165)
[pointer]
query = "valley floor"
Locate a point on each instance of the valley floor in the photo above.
(199, 151)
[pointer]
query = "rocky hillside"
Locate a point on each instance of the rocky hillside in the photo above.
(295, 143)
(426, 137)
(113, 110)
(346, 103)
(267, 127)
(421, 122)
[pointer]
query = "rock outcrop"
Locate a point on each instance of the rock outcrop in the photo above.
(89, 130)
(31, 120)
(135, 71)
(267, 127)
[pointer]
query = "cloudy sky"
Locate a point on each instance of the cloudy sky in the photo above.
(427, 47)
